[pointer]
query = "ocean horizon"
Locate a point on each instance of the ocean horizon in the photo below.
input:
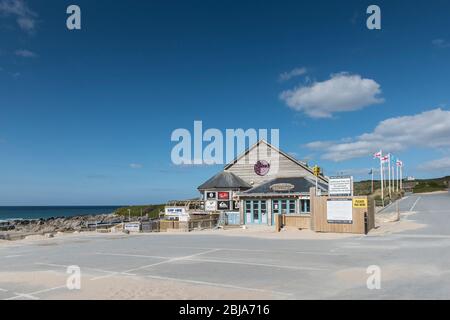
(45, 212)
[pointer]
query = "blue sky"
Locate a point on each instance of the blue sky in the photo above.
(86, 116)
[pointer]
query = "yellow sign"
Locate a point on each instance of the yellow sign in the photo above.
(359, 203)
(316, 171)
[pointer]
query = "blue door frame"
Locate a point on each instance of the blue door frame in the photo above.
(277, 205)
(256, 209)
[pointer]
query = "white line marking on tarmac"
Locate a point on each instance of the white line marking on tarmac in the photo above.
(168, 260)
(171, 260)
(131, 255)
(414, 205)
(262, 251)
(13, 256)
(31, 295)
(65, 266)
(214, 284)
(258, 264)
(3, 290)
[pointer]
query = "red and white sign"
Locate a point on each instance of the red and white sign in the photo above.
(223, 195)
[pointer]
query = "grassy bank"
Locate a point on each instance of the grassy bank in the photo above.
(429, 186)
(152, 210)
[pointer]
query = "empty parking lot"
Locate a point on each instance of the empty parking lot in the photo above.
(213, 265)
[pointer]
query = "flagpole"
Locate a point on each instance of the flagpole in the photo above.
(398, 177)
(393, 177)
(382, 182)
(389, 169)
(371, 170)
(401, 177)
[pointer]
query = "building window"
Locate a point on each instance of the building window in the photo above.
(248, 206)
(255, 210)
(292, 206)
(263, 208)
(284, 206)
(305, 206)
(275, 207)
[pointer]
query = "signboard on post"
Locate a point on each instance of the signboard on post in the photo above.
(340, 211)
(340, 186)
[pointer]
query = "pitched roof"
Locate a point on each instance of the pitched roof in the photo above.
(301, 185)
(301, 164)
(225, 180)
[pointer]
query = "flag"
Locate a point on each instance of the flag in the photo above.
(370, 172)
(399, 163)
(377, 155)
(385, 159)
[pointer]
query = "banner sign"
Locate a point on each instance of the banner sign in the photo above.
(132, 226)
(223, 205)
(211, 205)
(210, 195)
(174, 211)
(223, 195)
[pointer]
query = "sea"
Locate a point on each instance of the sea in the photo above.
(44, 212)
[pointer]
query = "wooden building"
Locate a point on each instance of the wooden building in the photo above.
(261, 183)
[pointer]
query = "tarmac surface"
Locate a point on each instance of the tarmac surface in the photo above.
(413, 264)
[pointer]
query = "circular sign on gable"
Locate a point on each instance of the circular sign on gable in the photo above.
(262, 167)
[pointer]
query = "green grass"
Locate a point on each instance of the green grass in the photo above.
(429, 186)
(152, 210)
(363, 188)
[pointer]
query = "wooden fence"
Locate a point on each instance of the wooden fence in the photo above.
(292, 221)
(362, 221)
(363, 218)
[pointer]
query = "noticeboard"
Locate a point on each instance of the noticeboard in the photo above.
(340, 186)
(340, 211)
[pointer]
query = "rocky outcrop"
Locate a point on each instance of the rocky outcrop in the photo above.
(58, 224)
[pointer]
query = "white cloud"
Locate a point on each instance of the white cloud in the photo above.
(291, 74)
(25, 17)
(136, 166)
(441, 43)
(429, 129)
(342, 92)
(438, 164)
(25, 53)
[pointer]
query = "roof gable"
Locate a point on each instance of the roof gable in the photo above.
(273, 148)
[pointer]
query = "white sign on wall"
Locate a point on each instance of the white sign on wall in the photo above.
(210, 205)
(340, 211)
(132, 226)
(340, 186)
(175, 211)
